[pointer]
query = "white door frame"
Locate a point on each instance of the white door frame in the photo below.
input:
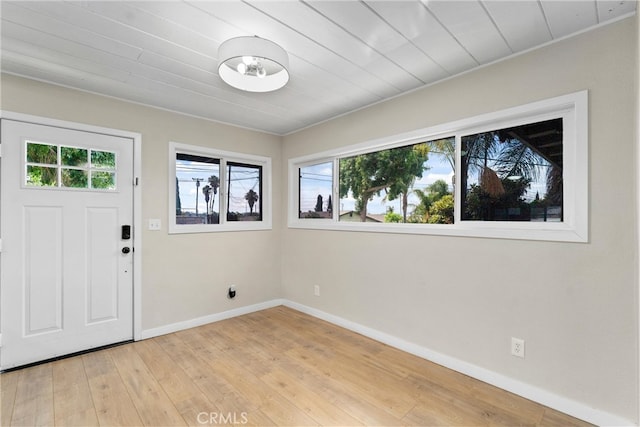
(137, 198)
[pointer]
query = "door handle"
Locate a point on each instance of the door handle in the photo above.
(126, 250)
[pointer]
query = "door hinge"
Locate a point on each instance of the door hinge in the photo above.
(135, 181)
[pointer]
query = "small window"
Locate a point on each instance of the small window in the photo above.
(103, 169)
(244, 191)
(206, 183)
(316, 186)
(197, 184)
(59, 166)
(42, 165)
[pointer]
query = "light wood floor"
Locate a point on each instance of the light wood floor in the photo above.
(274, 367)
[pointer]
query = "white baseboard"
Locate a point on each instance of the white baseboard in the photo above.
(199, 321)
(544, 397)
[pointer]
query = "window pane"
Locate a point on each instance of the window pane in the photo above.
(316, 186)
(74, 156)
(197, 185)
(103, 159)
(74, 178)
(103, 180)
(245, 188)
(40, 176)
(42, 153)
(405, 184)
(513, 174)
(74, 167)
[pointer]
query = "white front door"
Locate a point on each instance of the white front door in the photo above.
(66, 262)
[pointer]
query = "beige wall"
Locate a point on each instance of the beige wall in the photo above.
(574, 304)
(183, 276)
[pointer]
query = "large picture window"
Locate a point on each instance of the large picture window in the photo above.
(518, 173)
(213, 190)
(408, 184)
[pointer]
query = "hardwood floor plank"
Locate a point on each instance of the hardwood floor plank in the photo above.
(249, 386)
(302, 395)
(394, 397)
(181, 390)
(255, 358)
(227, 402)
(34, 397)
(336, 390)
(196, 358)
(426, 375)
(555, 418)
(150, 400)
(344, 396)
(513, 406)
(284, 413)
(460, 410)
(109, 393)
(8, 387)
(73, 405)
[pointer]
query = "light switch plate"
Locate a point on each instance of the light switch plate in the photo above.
(154, 224)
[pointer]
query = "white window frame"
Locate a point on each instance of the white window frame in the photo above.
(225, 157)
(573, 108)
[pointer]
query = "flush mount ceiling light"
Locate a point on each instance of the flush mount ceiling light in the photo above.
(253, 64)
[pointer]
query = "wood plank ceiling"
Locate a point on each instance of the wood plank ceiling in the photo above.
(343, 55)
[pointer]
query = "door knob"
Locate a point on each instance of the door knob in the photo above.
(126, 250)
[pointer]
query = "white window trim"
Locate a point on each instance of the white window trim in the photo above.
(573, 108)
(225, 157)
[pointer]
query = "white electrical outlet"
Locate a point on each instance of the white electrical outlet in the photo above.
(517, 347)
(316, 290)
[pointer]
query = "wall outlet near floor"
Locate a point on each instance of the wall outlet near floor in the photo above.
(517, 347)
(316, 290)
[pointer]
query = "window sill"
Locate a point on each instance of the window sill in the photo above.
(220, 228)
(556, 232)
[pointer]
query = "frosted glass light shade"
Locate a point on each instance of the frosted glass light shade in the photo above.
(265, 64)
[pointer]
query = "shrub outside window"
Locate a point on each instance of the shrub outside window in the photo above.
(204, 182)
(408, 184)
(519, 173)
(513, 174)
(63, 167)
